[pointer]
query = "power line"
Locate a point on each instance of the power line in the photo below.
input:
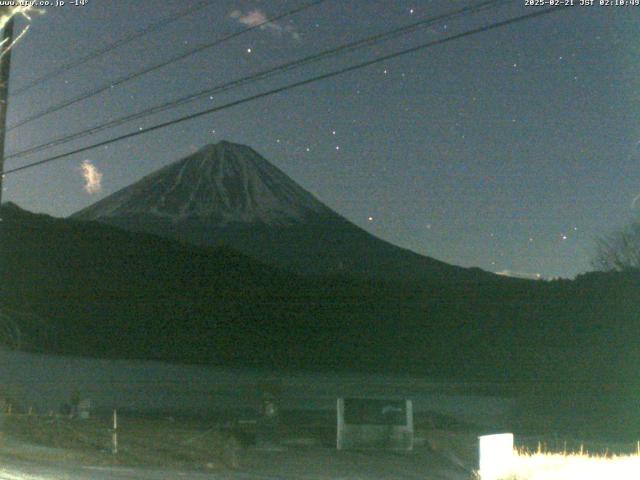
(108, 86)
(112, 46)
(291, 86)
(384, 36)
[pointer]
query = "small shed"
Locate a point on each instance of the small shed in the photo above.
(365, 423)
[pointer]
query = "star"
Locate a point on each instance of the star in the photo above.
(370, 219)
(337, 147)
(411, 11)
(249, 50)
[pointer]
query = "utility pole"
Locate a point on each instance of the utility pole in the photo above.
(5, 67)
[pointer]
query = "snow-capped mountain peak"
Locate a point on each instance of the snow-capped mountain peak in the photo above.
(222, 183)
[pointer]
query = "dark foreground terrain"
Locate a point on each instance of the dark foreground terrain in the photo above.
(88, 289)
(161, 447)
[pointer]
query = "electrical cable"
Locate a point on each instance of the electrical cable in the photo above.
(290, 86)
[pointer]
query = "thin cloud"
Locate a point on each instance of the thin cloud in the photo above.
(257, 18)
(527, 276)
(92, 177)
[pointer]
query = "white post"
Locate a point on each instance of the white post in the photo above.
(114, 435)
(496, 455)
(340, 426)
(409, 409)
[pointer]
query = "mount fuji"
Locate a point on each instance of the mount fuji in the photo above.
(229, 195)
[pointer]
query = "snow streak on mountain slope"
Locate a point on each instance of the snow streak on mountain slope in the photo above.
(223, 183)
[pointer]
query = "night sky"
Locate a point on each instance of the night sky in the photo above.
(511, 150)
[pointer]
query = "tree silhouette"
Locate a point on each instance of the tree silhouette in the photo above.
(620, 251)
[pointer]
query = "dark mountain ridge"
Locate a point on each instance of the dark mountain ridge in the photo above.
(227, 194)
(84, 288)
(62, 268)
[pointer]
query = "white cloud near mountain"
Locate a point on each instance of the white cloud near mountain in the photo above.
(92, 177)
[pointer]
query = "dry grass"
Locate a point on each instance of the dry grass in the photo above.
(577, 463)
(573, 466)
